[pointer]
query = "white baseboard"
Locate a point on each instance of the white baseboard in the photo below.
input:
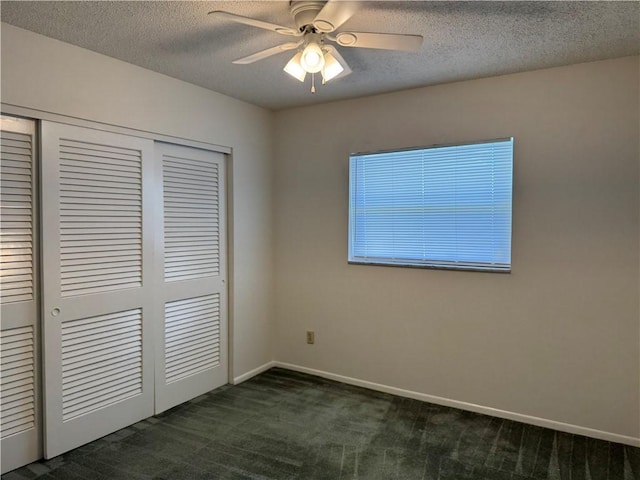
(518, 417)
(252, 373)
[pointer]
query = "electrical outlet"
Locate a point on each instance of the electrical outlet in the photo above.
(311, 338)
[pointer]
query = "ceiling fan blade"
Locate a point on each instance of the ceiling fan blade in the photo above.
(267, 53)
(334, 51)
(255, 23)
(385, 41)
(334, 14)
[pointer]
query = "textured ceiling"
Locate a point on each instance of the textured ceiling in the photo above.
(462, 40)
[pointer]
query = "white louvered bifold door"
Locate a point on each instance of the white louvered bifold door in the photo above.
(191, 341)
(20, 428)
(98, 234)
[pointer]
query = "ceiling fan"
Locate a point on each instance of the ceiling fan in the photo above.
(316, 23)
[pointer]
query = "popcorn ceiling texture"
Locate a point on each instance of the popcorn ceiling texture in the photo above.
(463, 40)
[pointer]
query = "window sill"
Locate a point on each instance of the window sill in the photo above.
(434, 266)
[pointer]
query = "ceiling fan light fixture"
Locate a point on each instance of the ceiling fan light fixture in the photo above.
(332, 67)
(316, 24)
(295, 69)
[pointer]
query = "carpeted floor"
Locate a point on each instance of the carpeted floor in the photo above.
(286, 425)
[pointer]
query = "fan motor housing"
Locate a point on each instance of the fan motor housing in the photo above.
(304, 12)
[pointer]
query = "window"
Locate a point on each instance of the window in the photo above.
(445, 207)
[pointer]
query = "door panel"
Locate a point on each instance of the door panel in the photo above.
(191, 355)
(19, 331)
(97, 283)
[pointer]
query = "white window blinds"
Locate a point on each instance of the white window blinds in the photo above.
(444, 207)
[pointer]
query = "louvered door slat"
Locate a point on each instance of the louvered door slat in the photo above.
(194, 259)
(86, 217)
(80, 267)
(196, 325)
(191, 325)
(16, 220)
(194, 247)
(85, 338)
(16, 165)
(123, 352)
(178, 347)
(109, 272)
(187, 179)
(92, 233)
(110, 151)
(106, 399)
(16, 427)
(196, 306)
(113, 239)
(193, 200)
(189, 304)
(195, 351)
(13, 398)
(18, 380)
(184, 277)
(120, 169)
(182, 319)
(18, 180)
(110, 196)
(17, 249)
(116, 366)
(77, 254)
(17, 155)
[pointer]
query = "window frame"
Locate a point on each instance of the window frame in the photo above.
(433, 264)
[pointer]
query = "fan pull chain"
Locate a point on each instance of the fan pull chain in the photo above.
(313, 83)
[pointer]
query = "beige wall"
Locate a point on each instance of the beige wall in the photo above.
(45, 74)
(559, 337)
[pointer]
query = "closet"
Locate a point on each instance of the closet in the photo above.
(133, 271)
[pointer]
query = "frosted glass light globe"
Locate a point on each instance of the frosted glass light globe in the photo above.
(312, 58)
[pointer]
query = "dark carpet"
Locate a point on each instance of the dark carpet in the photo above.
(287, 425)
